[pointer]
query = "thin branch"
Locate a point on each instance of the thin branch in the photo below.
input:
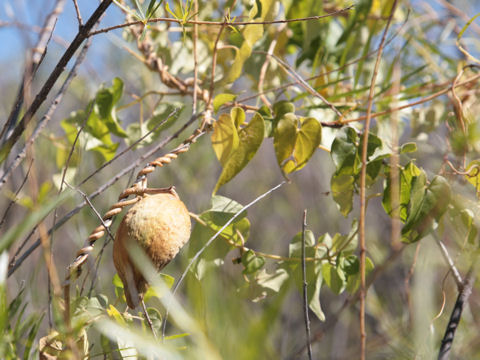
(263, 70)
(464, 294)
(52, 79)
(302, 82)
(38, 54)
(208, 105)
(195, 60)
(207, 244)
(456, 274)
(218, 23)
(304, 278)
(13, 201)
(77, 12)
(46, 118)
(362, 245)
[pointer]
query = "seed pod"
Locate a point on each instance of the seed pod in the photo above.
(160, 225)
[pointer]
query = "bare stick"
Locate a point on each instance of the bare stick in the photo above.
(147, 317)
(39, 51)
(46, 118)
(4, 217)
(456, 274)
(52, 79)
(207, 244)
(302, 82)
(195, 60)
(456, 315)
(363, 249)
(304, 278)
(79, 16)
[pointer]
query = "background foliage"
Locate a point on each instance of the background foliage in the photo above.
(275, 101)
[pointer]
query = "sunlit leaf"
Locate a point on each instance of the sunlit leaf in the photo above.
(342, 187)
(251, 137)
(221, 99)
(334, 278)
(308, 139)
(251, 34)
(427, 204)
(473, 174)
(238, 116)
(225, 139)
(408, 148)
(284, 137)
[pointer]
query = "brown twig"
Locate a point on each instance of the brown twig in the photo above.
(38, 54)
(263, 70)
(217, 23)
(302, 82)
(45, 118)
(363, 173)
(52, 79)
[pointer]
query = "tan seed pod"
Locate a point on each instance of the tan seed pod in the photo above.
(160, 225)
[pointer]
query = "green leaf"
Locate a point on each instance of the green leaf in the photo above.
(284, 137)
(342, 186)
(408, 148)
(406, 176)
(351, 265)
(353, 282)
(334, 278)
(426, 205)
(344, 151)
(238, 116)
(272, 282)
(105, 108)
(251, 34)
(283, 107)
(163, 113)
(221, 99)
(252, 262)
(251, 137)
(308, 139)
(226, 205)
(225, 139)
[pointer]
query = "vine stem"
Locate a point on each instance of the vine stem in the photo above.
(363, 174)
(304, 276)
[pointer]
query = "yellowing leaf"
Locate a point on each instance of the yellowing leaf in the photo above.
(251, 137)
(224, 138)
(238, 116)
(114, 313)
(295, 145)
(251, 34)
(221, 99)
(308, 139)
(284, 137)
(473, 171)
